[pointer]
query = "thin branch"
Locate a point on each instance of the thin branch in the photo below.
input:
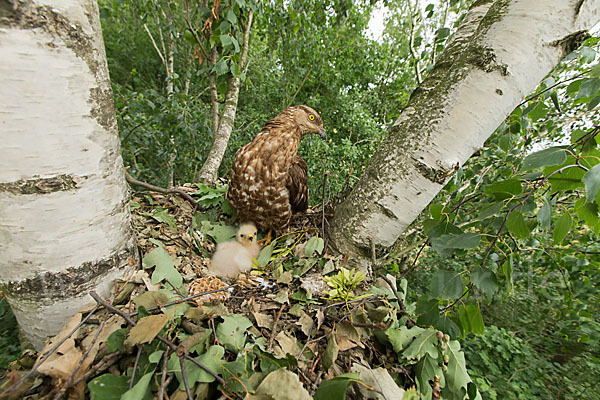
(185, 299)
(167, 342)
(135, 364)
(533, 96)
(69, 381)
(48, 354)
(300, 86)
(158, 189)
(163, 379)
(520, 204)
(162, 58)
(185, 379)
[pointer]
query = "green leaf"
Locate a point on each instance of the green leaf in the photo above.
(569, 179)
(595, 73)
(592, 183)
(544, 214)
(221, 67)
(543, 158)
(562, 227)
(471, 319)
(425, 371)
(164, 266)
(490, 211)
(485, 279)
(212, 359)
(230, 16)
(504, 189)
(589, 87)
(265, 255)
(456, 375)
(161, 215)
(588, 212)
(462, 241)
(424, 343)
(116, 340)
(313, 244)
(401, 338)
(221, 233)
(108, 387)
(335, 389)
(538, 112)
(232, 332)
(436, 211)
(446, 285)
(138, 391)
(516, 225)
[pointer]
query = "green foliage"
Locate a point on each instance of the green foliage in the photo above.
(344, 283)
(10, 347)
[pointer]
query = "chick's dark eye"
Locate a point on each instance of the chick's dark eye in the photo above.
(242, 235)
(311, 117)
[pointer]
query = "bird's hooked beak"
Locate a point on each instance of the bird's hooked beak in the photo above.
(322, 133)
(250, 237)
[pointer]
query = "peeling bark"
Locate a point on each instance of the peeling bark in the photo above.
(500, 53)
(209, 171)
(65, 225)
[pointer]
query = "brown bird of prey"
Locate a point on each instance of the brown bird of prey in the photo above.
(269, 180)
(234, 257)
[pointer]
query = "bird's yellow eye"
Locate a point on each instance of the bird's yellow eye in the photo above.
(311, 117)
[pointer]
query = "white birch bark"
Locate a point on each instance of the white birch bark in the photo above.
(500, 53)
(65, 225)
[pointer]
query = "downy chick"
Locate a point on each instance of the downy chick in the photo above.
(235, 257)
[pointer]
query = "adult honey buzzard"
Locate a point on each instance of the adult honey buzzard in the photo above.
(269, 180)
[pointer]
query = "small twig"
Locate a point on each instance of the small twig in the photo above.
(533, 96)
(69, 381)
(185, 379)
(469, 288)
(185, 299)
(48, 354)
(414, 264)
(163, 378)
(102, 365)
(162, 58)
(275, 320)
(170, 344)
(135, 364)
(308, 343)
(300, 86)
(158, 189)
(378, 327)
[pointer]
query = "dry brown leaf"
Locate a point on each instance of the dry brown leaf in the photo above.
(146, 329)
(306, 323)
(73, 322)
(61, 364)
(263, 320)
(288, 344)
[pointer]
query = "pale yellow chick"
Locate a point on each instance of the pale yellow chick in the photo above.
(234, 257)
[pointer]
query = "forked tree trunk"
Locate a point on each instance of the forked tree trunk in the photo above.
(65, 225)
(209, 172)
(500, 53)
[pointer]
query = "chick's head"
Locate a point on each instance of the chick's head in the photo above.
(246, 235)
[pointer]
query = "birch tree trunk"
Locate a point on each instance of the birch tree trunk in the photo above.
(209, 172)
(65, 224)
(500, 53)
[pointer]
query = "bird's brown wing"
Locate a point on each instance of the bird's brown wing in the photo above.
(297, 185)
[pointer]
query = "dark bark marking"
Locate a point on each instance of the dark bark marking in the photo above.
(71, 282)
(60, 183)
